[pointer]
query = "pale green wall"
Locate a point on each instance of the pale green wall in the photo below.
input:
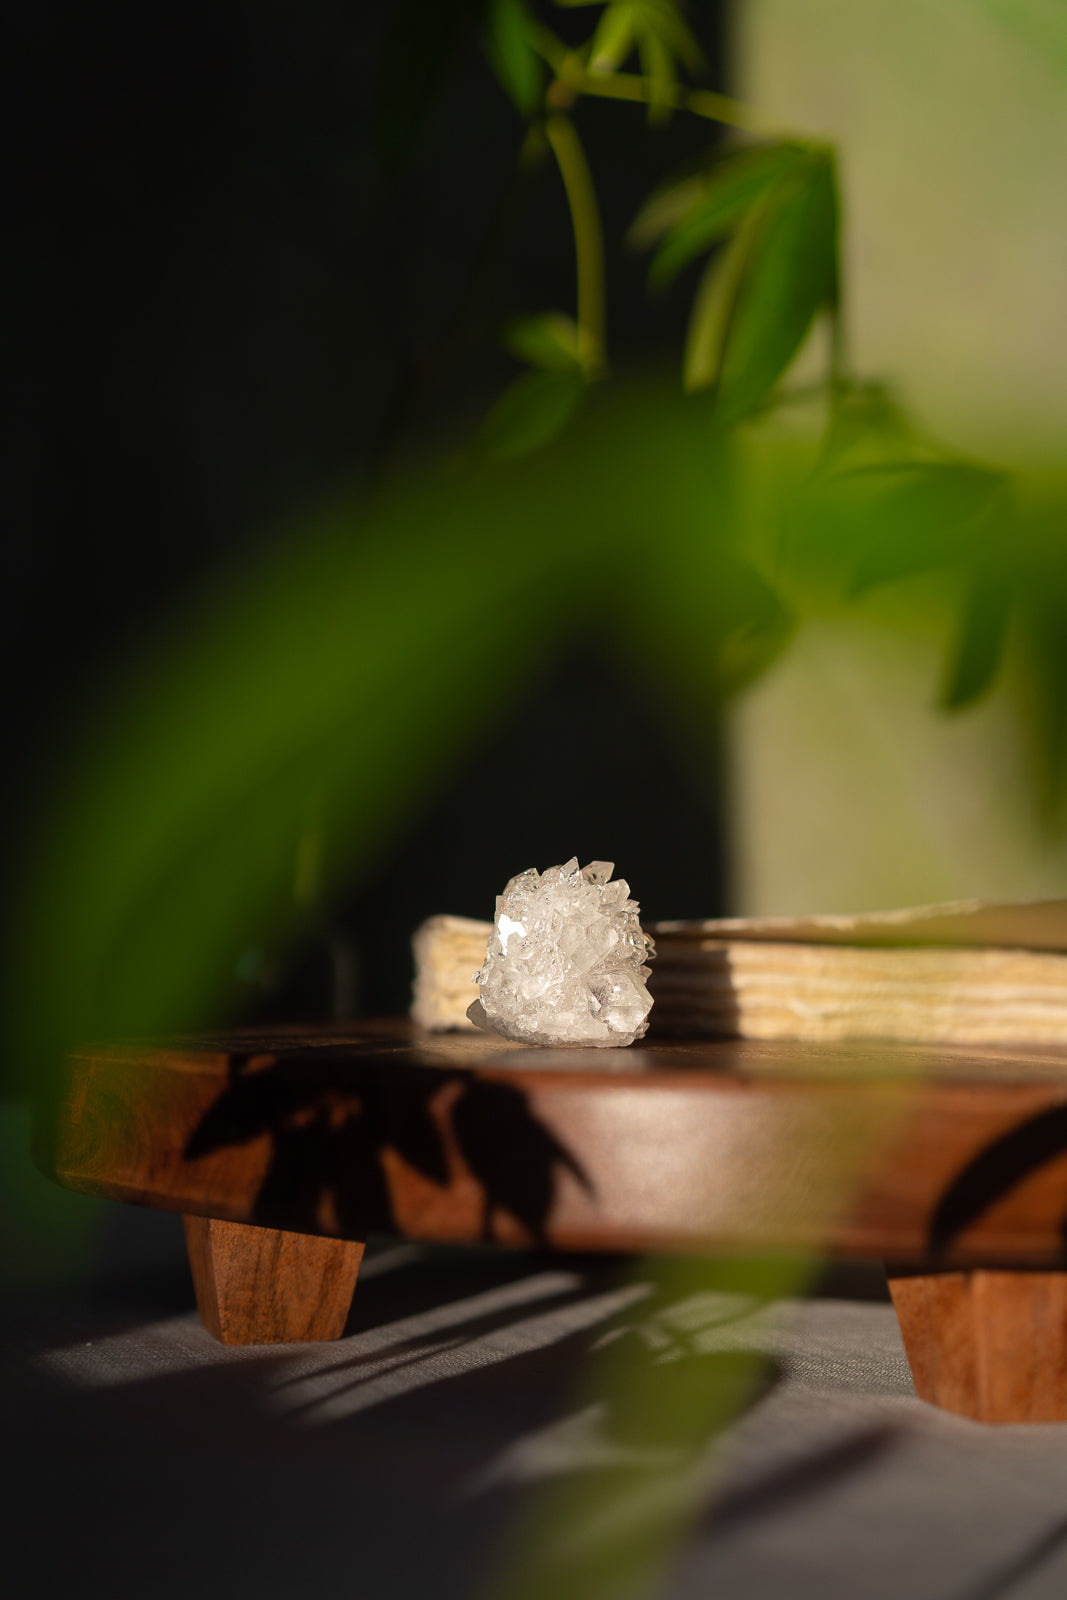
(952, 128)
(850, 791)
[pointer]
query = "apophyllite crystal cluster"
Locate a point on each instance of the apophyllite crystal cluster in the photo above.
(566, 960)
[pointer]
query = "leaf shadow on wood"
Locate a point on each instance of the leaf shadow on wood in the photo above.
(994, 1172)
(336, 1128)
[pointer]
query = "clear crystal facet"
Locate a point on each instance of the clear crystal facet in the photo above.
(565, 962)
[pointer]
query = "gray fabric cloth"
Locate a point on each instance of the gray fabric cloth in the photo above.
(398, 1462)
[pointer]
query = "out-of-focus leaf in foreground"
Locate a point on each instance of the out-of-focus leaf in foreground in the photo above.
(661, 1388)
(341, 678)
(693, 1353)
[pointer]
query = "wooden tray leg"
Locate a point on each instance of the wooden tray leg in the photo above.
(988, 1345)
(263, 1286)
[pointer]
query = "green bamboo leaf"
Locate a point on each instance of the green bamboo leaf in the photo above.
(614, 38)
(791, 273)
(1041, 634)
(755, 626)
(712, 310)
(665, 209)
(981, 637)
(675, 32)
(507, 33)
(868, 427)
(851, 531)
(657, 69)
(550, 341)
(663, 19)
(735, 186)
(913, 516)
(530, 413)
(1042, 24)
(658, 32)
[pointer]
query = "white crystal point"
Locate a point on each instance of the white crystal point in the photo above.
(565, 962)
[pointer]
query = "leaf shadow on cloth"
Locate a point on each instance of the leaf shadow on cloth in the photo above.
(1003, 1582)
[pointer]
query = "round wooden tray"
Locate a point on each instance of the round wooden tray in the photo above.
(950, 1164)
(921, 1156)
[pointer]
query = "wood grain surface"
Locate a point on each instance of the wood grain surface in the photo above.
(942, 1158)
(265, 1286)
(991, 1345)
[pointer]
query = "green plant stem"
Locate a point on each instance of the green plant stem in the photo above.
(572, 74)
(550, 47)
(701, 102)
(588, 240)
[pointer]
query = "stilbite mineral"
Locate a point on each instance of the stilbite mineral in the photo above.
(565, 962)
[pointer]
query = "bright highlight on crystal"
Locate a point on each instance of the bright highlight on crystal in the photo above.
(565, 963)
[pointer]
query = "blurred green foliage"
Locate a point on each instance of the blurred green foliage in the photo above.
(329, 691)
(1041, 23)
(609, 1532)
